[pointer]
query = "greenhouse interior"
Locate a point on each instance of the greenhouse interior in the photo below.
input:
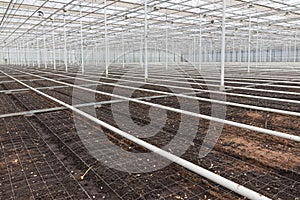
(150, 99)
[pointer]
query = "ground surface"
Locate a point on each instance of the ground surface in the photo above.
(43, 157)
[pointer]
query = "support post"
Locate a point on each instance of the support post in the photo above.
(38, 53)
(295, 47)
(25, 54)
(106, 39)
(210, 50)
(200, 42)
(194, 50)
(53, 45)
(270, 54)
(249, 44)
(146, 40)
(8, 56)
(21, 54)
(141, 49)
(45, 50)
(240, 56)
(81, 43)
(256, 51)
(18, 54)
(123, 50)
(289, 52)
(65, 45)
(233, 49)
(260, 49)
(223, 46)
(28, 51)
(166, 43)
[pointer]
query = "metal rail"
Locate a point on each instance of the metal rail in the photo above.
(195, 168)
(284, 112)
(193, 89)
(236, 124)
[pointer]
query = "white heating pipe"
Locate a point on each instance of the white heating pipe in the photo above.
(239, 189)
(223, 121)
(194, 89)
(284, 112)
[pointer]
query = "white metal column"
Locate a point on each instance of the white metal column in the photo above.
(249, 44)
(18, 54)
(141, 49)
(38, 53)
(26, 54)
(59, 56)
(210, 50)
(260, 49)
(22, 54)
(295, 47)
(240, 56)
(45, 49)
(194, 50)
(123, 50)
(223, 45)
(270, 54)
(53, 45)
(166, 43)
(97, 56)
(81, 42)
(65, 45)
(106, 39)
(8, 56)
(200, 42)
(289, 50)
(233, 49)
(29, 55)
(256, 51)
(146, 40)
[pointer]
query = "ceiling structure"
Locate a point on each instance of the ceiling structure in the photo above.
(22, 21)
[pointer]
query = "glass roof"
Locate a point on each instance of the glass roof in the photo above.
(26, 20)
